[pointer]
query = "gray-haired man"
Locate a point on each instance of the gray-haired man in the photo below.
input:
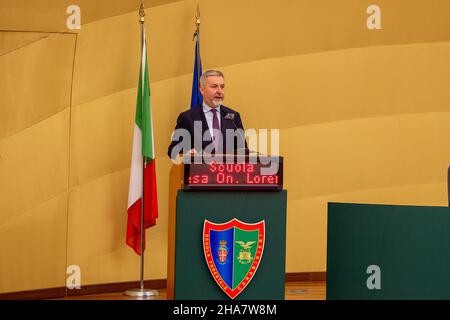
(210, 127)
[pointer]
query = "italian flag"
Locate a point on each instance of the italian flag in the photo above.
(142, 179)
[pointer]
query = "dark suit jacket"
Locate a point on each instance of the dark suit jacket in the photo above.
(186, 121)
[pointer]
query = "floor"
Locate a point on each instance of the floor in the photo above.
(302, 290)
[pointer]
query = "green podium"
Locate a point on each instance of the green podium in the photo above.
(227, 238)
(193, 278)
(388, 252)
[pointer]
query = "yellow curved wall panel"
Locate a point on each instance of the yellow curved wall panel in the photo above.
(35, 90)
(34, 166)
(307, 219)
(33, 206)
(239, 31)
(97, 205)
(97, 227)
(10, 41)
(341, 85)
(101, 136)
(36, 82)
(108, 51)
(33, 247)
(51, 15)
(366, 153)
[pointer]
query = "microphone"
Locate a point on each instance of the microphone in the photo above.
(231, 116)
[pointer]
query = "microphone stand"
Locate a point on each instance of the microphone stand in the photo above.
(231, 118)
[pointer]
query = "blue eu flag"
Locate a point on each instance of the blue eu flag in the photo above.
(196, 97)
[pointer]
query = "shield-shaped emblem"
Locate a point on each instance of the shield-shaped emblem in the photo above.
(233, 251)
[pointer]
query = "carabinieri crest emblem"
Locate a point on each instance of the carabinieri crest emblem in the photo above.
(233, 252)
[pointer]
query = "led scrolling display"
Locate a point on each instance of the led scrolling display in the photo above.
(231, 176)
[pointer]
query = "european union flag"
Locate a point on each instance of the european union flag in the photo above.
(196, 98)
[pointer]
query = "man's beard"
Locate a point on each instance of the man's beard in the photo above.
(217, 102)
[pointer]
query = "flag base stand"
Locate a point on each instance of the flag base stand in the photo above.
(141, 293)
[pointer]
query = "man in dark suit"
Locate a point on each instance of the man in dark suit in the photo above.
(210, 127)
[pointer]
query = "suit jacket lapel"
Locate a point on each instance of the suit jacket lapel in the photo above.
(198, 115)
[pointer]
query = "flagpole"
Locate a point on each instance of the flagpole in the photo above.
(197, 33)
(196, 96)
(142, 292)
(141, 20)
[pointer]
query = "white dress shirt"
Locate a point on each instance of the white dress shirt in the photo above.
(209, 117)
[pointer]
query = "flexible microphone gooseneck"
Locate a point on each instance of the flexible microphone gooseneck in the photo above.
(231, 116)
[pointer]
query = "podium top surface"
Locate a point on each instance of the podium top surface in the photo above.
(229, 158)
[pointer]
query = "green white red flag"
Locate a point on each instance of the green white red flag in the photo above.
(142, 180)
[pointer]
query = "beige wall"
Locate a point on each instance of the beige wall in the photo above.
(363, 116)
(35, 85)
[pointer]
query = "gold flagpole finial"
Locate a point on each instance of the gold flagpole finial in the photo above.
(197, 16)
(142, 12)
(197, 22)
